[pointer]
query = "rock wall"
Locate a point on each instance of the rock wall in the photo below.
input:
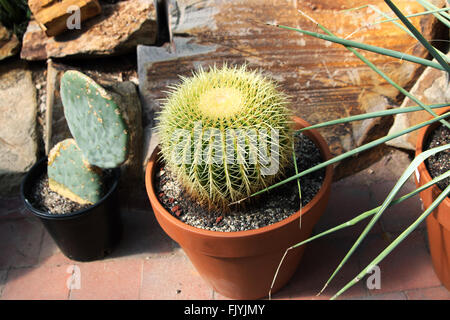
(117, 30)
(432, 87)
(324, 80)
(18, 112)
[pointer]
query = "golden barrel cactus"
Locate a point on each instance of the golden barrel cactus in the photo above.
(225, 133)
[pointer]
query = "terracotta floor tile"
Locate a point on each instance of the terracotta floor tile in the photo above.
(142, 237)
(50, 254)
(147, 264)
(436, 293)
(389, 168)
(38, 283)
(20, 242)
(14, 214)
(398, 217)
(111, 280)
(10, 204)
(218, 296)
(346, 202)
(138, 201)
(318, 263)
(173, 277)
(407, 267)
(386, 296)
(3, 275)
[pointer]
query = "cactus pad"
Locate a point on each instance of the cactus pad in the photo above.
(71, 176)
(94, 120)
(212, 126)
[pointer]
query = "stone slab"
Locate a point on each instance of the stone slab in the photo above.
(18, 111)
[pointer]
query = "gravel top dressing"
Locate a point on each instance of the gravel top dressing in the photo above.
(440, 162)
(271, 207)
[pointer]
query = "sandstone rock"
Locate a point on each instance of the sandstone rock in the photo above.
(53, 15)
(432, 87)
(9, 44)
(119, 29)
(151, 60)
(18, 142)
(38, 5)
(325, 80)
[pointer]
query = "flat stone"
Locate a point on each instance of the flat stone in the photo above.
(324, 80)
(53, 15)
(433, 87)
(9, 44)
(118, 29)
(18, 110)
(126, 96)
(38, 5)
(149, 67)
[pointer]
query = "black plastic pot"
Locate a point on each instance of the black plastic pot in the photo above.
(84, 235)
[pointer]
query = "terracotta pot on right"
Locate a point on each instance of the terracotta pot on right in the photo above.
(242, 264)
(438, 222)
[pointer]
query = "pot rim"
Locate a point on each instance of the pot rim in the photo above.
(72, 215)
(420, 144)
(326, 154)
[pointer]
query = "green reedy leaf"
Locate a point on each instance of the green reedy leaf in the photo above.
(382, 74)
(406, 174)
(373, 211)
(396, 242)
(418, 36)
(443, 17)
(371, 115)
(367, 47)
(349, 154)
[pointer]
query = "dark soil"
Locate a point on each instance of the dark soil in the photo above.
(44, 199)
(439, 163)
(269, 208)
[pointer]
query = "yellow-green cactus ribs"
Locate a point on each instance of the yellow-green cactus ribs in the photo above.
(211, 128)
(94, 120)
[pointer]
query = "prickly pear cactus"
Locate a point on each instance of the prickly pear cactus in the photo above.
(94, 120)
(225, 133)
(71, 176)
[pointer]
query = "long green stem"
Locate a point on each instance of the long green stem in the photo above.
(371, 115)
(371, 212)
(418, 35)
(406, 174)
(399, 25)
(298, 182)
(367, 47)
(385, 77)
(396, 242)
(411, 15)
(440, 16)
(346, 155)
(377, 212)
(358, 219)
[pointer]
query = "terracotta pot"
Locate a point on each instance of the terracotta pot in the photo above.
(438, 222)
(241, 265)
